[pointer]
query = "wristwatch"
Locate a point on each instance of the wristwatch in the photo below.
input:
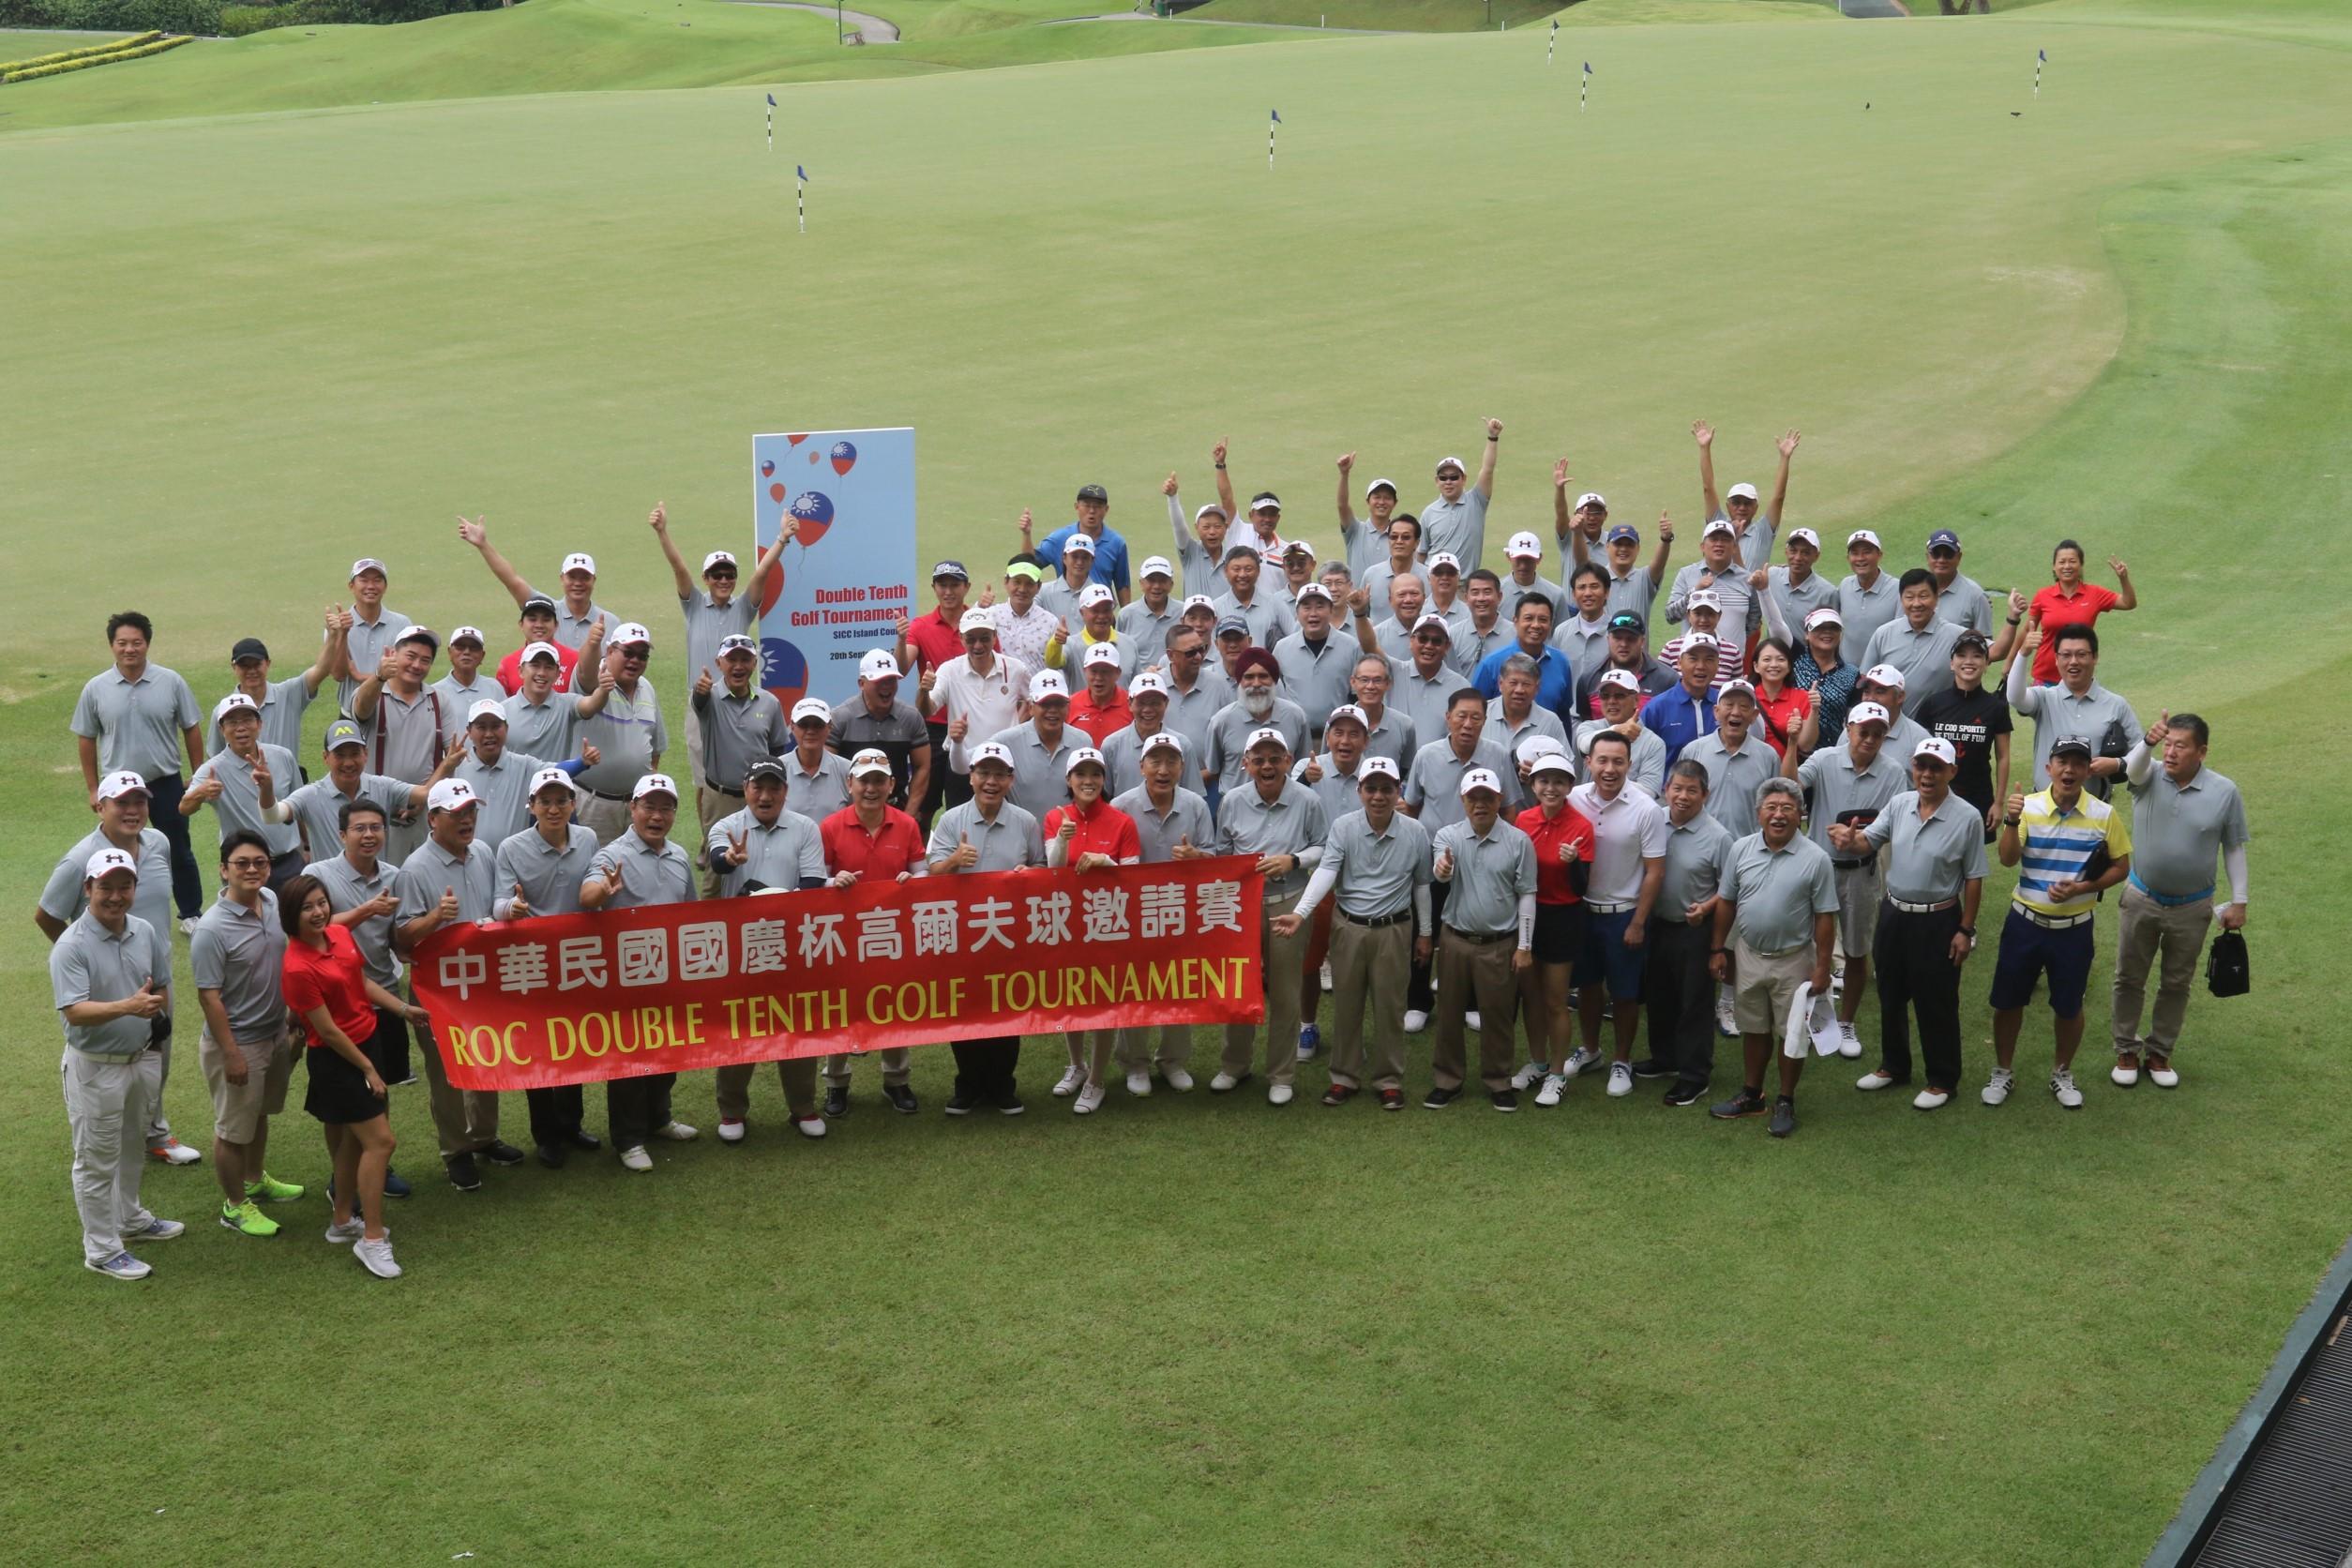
(1969, 931)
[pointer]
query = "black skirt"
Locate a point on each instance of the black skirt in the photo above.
(339, 1093)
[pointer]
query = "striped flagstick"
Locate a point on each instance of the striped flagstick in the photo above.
(770, 122)
(800, 194)
(1584, 85)
(2040, 58)
(1270, 135)
(1553, 45)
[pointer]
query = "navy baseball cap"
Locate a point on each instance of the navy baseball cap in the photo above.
(1944, 538)
(1625, 531)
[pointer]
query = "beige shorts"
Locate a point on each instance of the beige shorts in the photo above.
(237, 1108)
(1859, 895)
(1762, 987)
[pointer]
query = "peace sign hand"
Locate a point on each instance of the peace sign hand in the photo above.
(739, 847)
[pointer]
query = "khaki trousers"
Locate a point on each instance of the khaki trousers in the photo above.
(1369, 964)
(106, 1104)
(1475, 975)
(606, 819)
(897, 1062)
(463, 1119)
(798, 1074)
(1145, 1047)
(2145, 929)
(712, 807)
(1281, 960)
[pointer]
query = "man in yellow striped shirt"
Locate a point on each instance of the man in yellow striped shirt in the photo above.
(2069, 847)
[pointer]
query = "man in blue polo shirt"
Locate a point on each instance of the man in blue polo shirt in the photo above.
(1682, 713)
(1555, 677)
(1111, 551)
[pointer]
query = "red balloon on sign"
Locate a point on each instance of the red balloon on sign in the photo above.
(776, 492)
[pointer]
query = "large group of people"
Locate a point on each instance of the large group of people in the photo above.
(1479, 803)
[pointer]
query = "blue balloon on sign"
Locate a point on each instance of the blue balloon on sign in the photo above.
(844, 457)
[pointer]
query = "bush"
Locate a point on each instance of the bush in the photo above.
(109, 47)
(238, 20)
(33, 73)
(115, 16)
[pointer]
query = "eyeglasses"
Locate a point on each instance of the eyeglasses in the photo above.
(247, 863)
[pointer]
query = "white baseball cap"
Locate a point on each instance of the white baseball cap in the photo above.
(1312, 591)
(1805, 536)
(1082, 756)
(1293, 547)
(1481, 778)
(1351, 712)
(1619, 680)
(1553, 760)
(1163, 740)
(111, 860)
(1260, 737)
(1094, 594)
(451, 794)
(1388, 485)
(1446, 558)
(1047, 683)
(463, 633)
(1825, 616)
(1862, 536)
(1740, 492)
(581, 561)
(976, 620)
(812, 707)
(1706, 599)
(1692, 641)
(1719, 525)
(235, 702)
(1377, 767)
(1199, 601)
(1431, 618)
(880, 664)
(548, 777)
(718, 557)
(1147, 683)
(630, 633)
(486, 707)
(736, 642)
(1100, 653)
(990, 751)
(116, 785)
(1213, 509)
(1864, 712)
(1884, 674)
(1590, 498)
(869, 761)
(1523, 546)
(1455, 463)
(1533, 747)
(1935, 748)
(655, 784)
(1156, 566)
(369, 563)
(541, 651)
(1081, 542)
(1742, 688)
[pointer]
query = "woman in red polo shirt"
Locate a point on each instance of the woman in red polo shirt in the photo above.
(1786, 707)
(2072, 602)
(1089, 835)
(1563, 859)
(326, 985)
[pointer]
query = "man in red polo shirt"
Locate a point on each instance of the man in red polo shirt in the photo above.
(868, 840)
(1100, 708)
(1089, 835)
(923, 645)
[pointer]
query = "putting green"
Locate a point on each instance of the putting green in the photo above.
(243, 348)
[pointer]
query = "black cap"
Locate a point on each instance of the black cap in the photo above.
(539, 602)
(2072, 746)
(249, 647)
(1972, 639)
(950, 568)
(1628, 620)
(766, 767)
(1094, 492)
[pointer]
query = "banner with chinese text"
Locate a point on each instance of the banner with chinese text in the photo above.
(577, 997)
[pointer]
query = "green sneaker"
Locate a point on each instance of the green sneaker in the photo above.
(247, 1218)
(269, 1189)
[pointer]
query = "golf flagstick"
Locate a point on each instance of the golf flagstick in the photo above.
(800, 194)
(770, 122)
(1553, 45)
(2040, 58)
(1584, 85)
(1270, 135)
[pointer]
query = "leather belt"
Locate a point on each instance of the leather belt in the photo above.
(1486, 941)
(1379, 920)
(2053, 922)
(601, 795)
(1924, 909)
(1598, 907)
(732, 794)
(1847, 865)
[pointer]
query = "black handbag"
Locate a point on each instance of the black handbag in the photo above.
(2225, 970)
(2115, 742)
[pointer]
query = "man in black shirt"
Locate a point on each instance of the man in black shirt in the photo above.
(1976, 722)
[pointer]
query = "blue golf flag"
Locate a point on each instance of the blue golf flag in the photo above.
(800, 170)
(2042, 56)
(1588, 67)
(771, 100)
(1277, 116)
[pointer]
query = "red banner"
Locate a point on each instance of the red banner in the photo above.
(577, 997)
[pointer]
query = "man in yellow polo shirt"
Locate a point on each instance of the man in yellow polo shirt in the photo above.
(2069, 847)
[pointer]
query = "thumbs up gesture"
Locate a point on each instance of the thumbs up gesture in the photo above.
(1444, 868)
(2159, 733)
(959, 727)
(704, 682)
(965, 856)
(518, 907)
(1185, 851)
(447, 909)
(1167, 486)
(1068, 830)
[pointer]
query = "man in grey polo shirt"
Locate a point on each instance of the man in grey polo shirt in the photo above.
(109, 990)
(1927, 926)
(1514, 716)
(1846, 787)
(122, 824)
(1123, 748)
(716, 611)
(237, 958)
(1281, 825)
(1377, 861)
(1433, 795)
(1788, 594)
(451, 877)
(1718, 571)
(1918, 642)
(1422, 683)
(1776, 924)
(638, 868)
(764, 848)
(2183, 813)
(283, 703)
(991, 832)
(1736, 759)
(1147, 622)
(1455, 521)
(1675, 975)
(629, 731)
(1197, 688)
(467, 682)
(1388, 731)
(135, 718)
(817, 777)
(410, 728)
(318, 806)
(577, 612)
(247, 786)
(1040, 749)
(1171, 822)
(537, 871)
(1866, 598)
(1488, 866)
(876, 720)
(1316, 660)
(739, 724)
(374, 626)
(1959, 598)
(544, 718)
(501, 776)
(1265, 610)
(2078, 705)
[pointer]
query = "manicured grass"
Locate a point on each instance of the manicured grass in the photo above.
(1413, 16)
(1202, 1331)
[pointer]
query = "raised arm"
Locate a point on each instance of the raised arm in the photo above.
(474, 533)
(1665, 549)
(770, 559)
(2127, 596)
(1182, 530)
(363, 702)
(333, 650)
(1704, 433)
(1787, 445)
(590, 705)
(1760, 581)
(1487, 463)
(1347, 507)
(1564, 525)
(1225, 481)
(660, 523)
